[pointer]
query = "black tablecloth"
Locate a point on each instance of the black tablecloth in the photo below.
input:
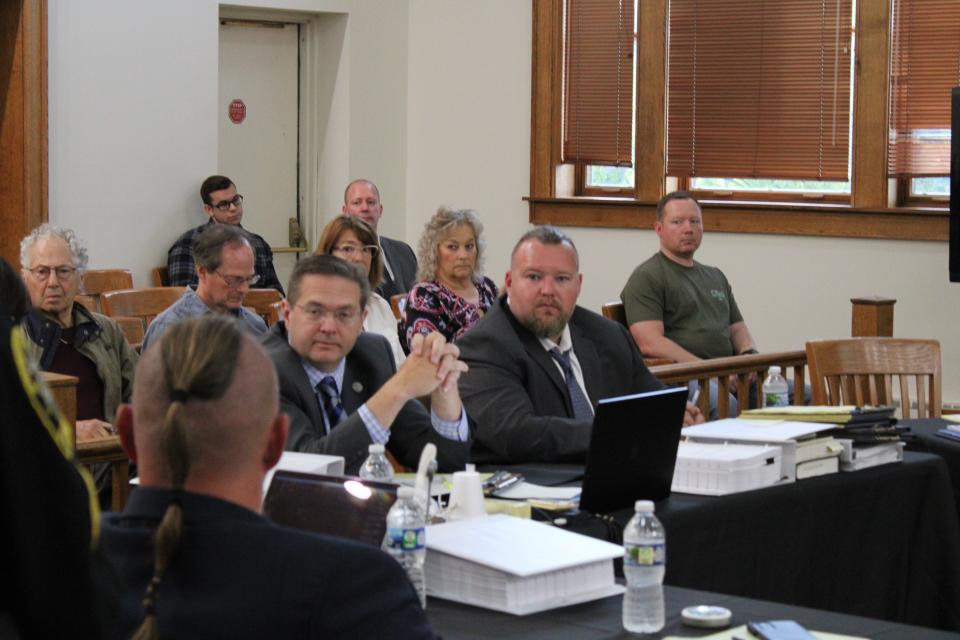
(881, 543)
(602, 620)
(926, 440)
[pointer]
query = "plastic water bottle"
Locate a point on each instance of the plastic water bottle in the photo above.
(405, 539)
(775, 393)
(644, 563)
(376, 466)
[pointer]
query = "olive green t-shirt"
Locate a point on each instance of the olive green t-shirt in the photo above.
(695, 304)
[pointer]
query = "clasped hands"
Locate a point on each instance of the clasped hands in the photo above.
(433, 367)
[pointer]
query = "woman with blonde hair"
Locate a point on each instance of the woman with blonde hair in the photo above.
(353, 240)
(452, 294)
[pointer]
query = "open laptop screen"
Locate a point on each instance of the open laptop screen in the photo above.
(633, 449)
(334, 505)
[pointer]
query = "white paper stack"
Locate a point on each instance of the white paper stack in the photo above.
(859, 457)
(781, 433)
(517, 566)
(718, 469)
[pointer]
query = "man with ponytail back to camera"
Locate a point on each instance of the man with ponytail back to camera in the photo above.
(191, 556)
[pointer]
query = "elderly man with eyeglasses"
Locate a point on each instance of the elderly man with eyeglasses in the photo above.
(223, 205)
(224, 265)
(65, 337)
(339, 384)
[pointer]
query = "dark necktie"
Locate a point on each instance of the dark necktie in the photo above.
(582, 409)
(330, 399)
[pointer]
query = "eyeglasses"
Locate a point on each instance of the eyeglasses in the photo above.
(317, 312)
(225, 205)
(235, 282)
(42, 273)
(350, 250)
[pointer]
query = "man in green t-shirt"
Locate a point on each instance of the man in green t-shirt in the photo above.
(678, 308)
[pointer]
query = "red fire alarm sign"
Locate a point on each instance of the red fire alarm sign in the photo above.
(237, 111)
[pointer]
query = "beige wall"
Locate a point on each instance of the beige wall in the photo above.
(431, 99)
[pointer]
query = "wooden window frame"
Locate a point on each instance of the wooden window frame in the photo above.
(866, 216)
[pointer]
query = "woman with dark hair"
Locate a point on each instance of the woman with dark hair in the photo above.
(350, 238)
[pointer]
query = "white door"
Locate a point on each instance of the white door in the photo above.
(258, 128)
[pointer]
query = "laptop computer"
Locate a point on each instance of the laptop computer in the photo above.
(339, 506)
(633, 449)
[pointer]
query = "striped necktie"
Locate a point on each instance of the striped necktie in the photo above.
(582, 409)
(330, 401)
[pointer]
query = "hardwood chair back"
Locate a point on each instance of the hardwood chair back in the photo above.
(133, 330)
(861, 371)
(261, 300)
(614, 311)
(90, 302)
(161, 277)
(276, 312)
(145, 304)
(96, 281)
(397, 303)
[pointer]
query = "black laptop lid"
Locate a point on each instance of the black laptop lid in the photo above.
(339, 506)
(633, 449)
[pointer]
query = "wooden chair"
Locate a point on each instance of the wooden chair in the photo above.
(614, 311)
(145, 304)
(90, 302)
(161, 277)
(96, 281)
(276, 312)
(261, 301)
(860, 371)
(397, 303)
(132, 328)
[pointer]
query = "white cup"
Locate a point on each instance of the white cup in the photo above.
(466, 498)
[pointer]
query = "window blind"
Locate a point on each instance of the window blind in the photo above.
(924, 66)
(759, 89)
(598, 82)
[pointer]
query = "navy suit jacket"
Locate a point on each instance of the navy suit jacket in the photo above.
(404, 264)
(369, 365)
(518, 397)
(237, 575)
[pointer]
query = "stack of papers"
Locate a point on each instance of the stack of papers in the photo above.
(517, 566)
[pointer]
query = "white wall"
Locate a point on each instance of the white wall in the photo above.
(433, 103)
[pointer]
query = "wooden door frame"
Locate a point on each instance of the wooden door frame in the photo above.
(23, 122)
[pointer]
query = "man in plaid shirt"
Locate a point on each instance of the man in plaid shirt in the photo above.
(224, 205)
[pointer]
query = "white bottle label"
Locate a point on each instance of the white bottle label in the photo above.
(645, 555)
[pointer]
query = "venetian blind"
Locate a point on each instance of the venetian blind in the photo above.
(924, 65)
(598, 82)
(759, 89)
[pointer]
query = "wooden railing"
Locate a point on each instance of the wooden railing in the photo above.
(739, 369)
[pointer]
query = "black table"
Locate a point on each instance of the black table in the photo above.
(881, 543)
(927, 441)
(602, 619)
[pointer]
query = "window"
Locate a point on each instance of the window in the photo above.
(924, 66)
(802, 152)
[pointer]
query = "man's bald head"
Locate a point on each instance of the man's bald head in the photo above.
(228, 402)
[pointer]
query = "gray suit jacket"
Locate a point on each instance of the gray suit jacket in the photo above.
(404, 264)
(518, 397)
(369, 365)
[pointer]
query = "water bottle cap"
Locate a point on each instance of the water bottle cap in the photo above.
(774, 370)
(375, 448)
(644, 506)
(405, 492)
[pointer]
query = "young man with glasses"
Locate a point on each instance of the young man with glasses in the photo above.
(225, 272)
(339, 384)
(222, 204)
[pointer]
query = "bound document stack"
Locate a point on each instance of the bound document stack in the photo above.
(517, 566)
